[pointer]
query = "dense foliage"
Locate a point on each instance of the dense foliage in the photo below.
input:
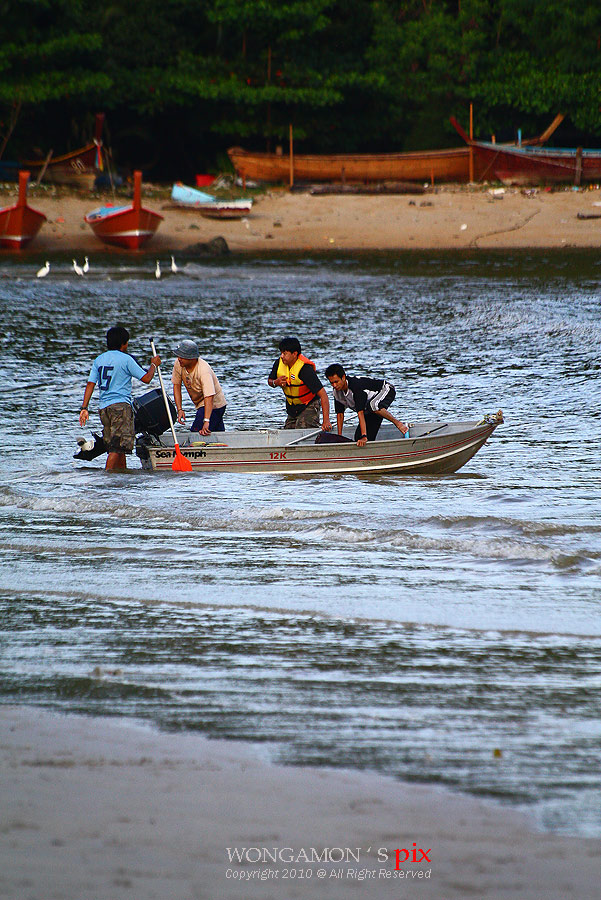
(181, 80)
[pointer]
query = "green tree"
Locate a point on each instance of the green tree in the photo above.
(45, 58)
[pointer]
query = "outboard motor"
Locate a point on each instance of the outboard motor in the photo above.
(150, 415)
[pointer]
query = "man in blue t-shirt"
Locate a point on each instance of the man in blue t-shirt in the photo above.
(113, 371)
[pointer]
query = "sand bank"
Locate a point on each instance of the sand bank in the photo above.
(109, 810)
(442, 218)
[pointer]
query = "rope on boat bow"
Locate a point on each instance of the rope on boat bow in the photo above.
(492, 419)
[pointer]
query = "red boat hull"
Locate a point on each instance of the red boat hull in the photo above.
(19, 224)
(536, 165)
(128, 227)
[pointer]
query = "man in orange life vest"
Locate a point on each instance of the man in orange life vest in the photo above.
(303, 390)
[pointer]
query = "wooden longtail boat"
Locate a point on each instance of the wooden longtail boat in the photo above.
(78, 168)
(426, 165)
(207, 205)
(528, 164)
(430, 448)
(535, 165)
(19, 224)
(125, 226)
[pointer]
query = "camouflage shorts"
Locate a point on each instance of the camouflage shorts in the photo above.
(308, 417)
(118, 422)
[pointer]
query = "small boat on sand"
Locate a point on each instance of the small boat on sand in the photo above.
(19, 224)
(128, 227)
(207, 205)
(430, 448)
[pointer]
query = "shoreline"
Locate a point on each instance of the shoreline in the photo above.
(114, 809)
(442, 218)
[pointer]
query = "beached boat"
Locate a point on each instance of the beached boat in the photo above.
(125, 226)
(207, 204)
(535, 165)
(526, 163)
(431, 448)
(19, 224)
(423, 165)
(79, 168)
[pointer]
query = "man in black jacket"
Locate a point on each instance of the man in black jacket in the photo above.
(368, 397)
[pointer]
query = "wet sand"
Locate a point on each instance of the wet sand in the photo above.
(111, 810)
(443, 218)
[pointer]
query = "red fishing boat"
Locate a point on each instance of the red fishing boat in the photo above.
(536, 165)
(527, 163)
(128, 227)
(19, 224)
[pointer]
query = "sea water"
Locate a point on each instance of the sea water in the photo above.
(441, 630)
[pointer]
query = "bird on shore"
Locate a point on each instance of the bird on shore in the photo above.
(41, 273)
(86, 265)
(173, 266)
(77, 269)
(157, 271)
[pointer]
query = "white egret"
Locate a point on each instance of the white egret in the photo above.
(157, 271)
(173, 265)
(41, 273)
(77, 269)
(86, 265)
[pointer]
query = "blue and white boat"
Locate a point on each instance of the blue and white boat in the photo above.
(207, 205)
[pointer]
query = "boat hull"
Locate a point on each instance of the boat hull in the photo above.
(129, 229)
(432, 448)
(535, 165)
(429, 165)
(19, 225)
(225, 210)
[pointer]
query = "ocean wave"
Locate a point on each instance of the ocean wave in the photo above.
(301, 526)
(255, 516)
(523, 526)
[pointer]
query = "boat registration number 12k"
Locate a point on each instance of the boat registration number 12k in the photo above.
(277, 454)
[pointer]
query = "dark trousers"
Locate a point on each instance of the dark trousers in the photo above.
(216, 423)
(372, 426)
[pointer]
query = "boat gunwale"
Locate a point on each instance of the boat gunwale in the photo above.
(115, 214)
(537, 152)
(56, 161)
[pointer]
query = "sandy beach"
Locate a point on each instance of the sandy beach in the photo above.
(443, 217)
(107, 809)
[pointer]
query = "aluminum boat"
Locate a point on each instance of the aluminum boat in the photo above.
(430, 448)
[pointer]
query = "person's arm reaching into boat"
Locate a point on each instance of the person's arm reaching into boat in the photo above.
(207, 416)
(362, 441)
(177, 396)
(326, 425)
